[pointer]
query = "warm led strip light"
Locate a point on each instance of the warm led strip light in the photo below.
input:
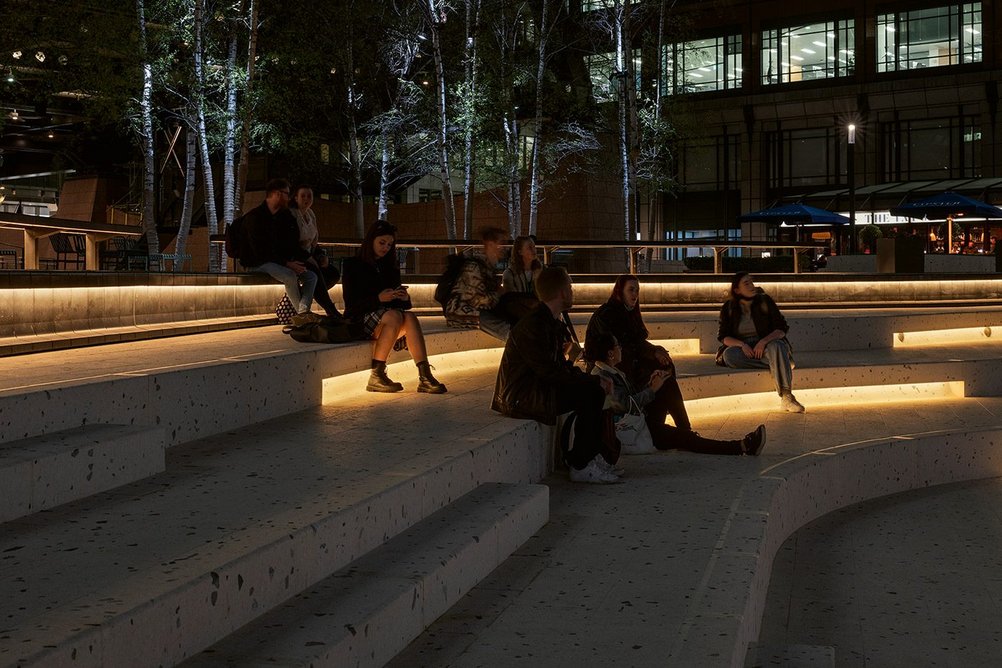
(766, 402)
(679, 346)
(960, 335)
(351, 386)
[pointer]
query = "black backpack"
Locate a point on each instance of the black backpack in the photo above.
(234, 238)
(453, 267)
(329, 330)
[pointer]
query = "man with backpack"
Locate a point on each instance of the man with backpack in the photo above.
(267, 241)
(476, 291)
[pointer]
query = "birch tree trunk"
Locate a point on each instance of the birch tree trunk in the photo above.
(191, 167)
(147, 139)
(535, 182)
(384, 176)
(248, 118)
(514, 155)
(435, 16)
(621, 11)
(469, 185)
(231, 124)
(355, 158)
(217, 252)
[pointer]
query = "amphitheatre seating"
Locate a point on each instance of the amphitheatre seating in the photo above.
(288, 500)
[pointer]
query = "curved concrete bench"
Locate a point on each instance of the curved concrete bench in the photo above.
(727, 608)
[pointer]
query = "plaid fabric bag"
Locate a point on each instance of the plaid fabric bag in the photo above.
(285, 310)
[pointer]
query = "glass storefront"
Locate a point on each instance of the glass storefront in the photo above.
(937, 37)
(815, 51)
(703, 65)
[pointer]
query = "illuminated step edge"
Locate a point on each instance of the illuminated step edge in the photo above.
(942, 336)
(828, 397)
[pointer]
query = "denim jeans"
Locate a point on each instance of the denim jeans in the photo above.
(495, 325)
(301, 300)
(776, 358)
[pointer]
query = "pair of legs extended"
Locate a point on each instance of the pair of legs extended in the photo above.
(778, 359)
(668, 401)
(386, 326)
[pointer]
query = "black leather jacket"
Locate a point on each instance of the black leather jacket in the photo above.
(533, 369)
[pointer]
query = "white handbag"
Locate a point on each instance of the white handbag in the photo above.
(633, 433)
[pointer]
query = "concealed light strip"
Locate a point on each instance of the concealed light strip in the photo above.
(943, 336)
(828, 397)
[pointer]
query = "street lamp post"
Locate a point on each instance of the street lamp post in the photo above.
(851, 164)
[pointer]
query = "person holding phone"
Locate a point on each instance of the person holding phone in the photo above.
(375, 298)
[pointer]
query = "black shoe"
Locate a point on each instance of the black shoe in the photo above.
(428, 383)
(380, 382)
(753, 443)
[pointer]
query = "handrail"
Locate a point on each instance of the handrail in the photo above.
(549, 247)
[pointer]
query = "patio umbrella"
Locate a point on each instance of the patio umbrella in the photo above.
(794, 213)
(947, 206)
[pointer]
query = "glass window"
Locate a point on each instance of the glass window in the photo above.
(935, 148)
(703, 65)
(710, 164)
(806, 158)
(949, 35)
(593, 5)
(815, 51)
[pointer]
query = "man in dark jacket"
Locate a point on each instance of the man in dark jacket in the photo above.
(536, 382)
(270, 245)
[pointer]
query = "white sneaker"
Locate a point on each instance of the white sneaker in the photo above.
(610, 468)
(790, 404)
(593, 473)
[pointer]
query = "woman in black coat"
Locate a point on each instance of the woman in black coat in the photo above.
(752, 335)
(620, 317)
(374, 298)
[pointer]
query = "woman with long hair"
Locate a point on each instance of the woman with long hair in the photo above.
(620, 316)
(318, 263)
(752, 335)
(374, 297)
(524, 266)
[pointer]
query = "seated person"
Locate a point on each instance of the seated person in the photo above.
(621, 317)
(477, 290)
(607, 354)
(523, 268)
(752, 335)
(318, 263)
(374, 297)
(536, 382)
(270, 245)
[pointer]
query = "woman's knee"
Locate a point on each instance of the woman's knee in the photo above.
(392, 317)
(732, 356)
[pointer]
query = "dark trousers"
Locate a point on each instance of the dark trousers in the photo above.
(667, 437)
(321, 293)
(667, 401)
(586, 400)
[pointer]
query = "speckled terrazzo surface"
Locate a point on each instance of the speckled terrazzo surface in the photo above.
(613, 573)
(909, 580)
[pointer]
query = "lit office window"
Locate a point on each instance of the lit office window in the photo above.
(601, 71)
(932, 148)
(703, 65)
(802, 53)
(936, 37)
(593, 5)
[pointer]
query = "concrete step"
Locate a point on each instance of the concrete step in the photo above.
(43, 472)
(791, 656)
(364, 614)
(241, 522)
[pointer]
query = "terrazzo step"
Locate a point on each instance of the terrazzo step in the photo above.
(43, 472)
(366, 613)
(791, 656)
(239, 523)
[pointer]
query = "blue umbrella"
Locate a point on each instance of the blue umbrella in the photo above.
(794, 213)
(946, 205)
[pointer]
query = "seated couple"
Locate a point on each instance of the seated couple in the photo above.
(479, 300)
(536, 381)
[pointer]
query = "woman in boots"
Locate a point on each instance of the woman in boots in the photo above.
(374, 297)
